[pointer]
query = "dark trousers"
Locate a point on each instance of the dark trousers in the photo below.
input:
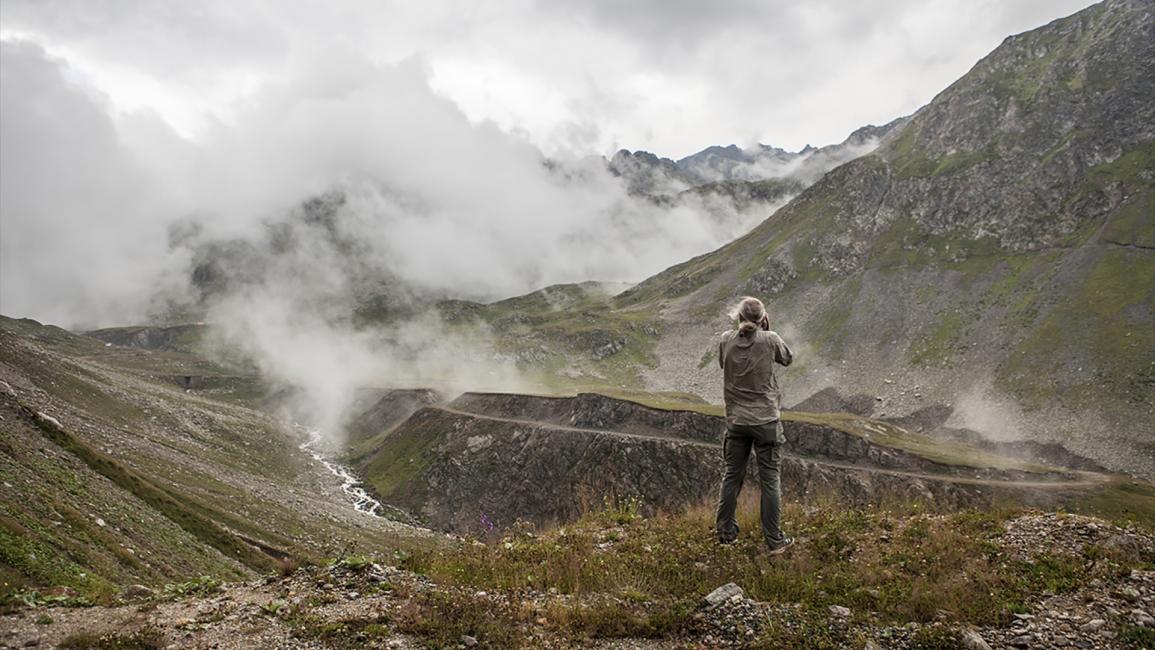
(766, 441)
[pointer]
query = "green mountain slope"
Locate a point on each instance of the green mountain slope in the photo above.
(999, 245)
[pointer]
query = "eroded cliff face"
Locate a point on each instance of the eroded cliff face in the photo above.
(490, 459)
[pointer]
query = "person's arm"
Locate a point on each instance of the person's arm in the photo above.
(782, 353)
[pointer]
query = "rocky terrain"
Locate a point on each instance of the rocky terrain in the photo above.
(1082, 593)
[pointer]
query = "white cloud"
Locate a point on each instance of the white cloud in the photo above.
(441, 203)
(670, 76)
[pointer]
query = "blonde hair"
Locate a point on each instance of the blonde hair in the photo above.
(749, 313)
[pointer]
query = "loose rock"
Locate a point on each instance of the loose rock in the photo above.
(722, 594)
(972, 640)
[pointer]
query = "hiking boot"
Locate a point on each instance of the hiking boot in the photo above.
(781, 548)
(724, 540)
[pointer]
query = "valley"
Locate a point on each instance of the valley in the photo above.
(304, 445)
(503, 470)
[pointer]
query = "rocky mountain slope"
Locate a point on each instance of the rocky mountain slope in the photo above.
(995, 255)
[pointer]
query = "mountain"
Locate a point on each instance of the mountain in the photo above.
(646, 174)
(995, 254)
(760, 162)
(735, 168)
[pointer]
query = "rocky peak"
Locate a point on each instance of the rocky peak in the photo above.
(1085, 76)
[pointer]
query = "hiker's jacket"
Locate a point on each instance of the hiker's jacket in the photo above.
(751, 387)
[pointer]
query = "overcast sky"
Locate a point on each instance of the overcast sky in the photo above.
(670, 76)
(122, 120)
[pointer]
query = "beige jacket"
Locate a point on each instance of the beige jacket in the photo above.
(751, 387)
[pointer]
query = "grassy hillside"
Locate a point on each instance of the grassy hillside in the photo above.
(115, 474)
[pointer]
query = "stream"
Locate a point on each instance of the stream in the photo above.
(350, 484)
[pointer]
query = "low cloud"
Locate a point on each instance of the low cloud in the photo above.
(442, 204)
(107, 218)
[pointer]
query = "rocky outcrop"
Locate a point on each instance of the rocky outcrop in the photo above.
(381, 410)
(829, 400)
(603, 413)
(646, 174)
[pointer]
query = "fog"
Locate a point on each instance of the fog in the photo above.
(106, 216)
(443, 204)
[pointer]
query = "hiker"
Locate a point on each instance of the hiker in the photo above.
(747, 356)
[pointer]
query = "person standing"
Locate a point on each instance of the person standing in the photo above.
(747, 356)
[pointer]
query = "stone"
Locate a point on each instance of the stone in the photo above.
(1130, 594)
(972, 640)
(468, 641)
(722, 594)
(1023, 640)
(477, 443)
(137, 592)
(1094, 625)
(839, 611)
